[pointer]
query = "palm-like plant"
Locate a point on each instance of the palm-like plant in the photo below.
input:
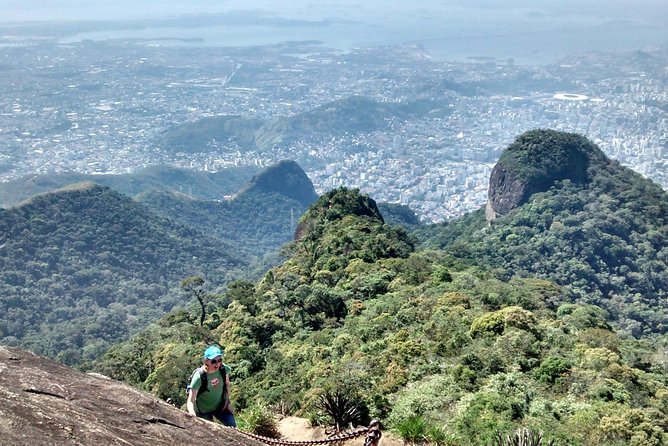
(343, 408)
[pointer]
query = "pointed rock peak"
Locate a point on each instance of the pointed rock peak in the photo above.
(286, 178)
(533, 162)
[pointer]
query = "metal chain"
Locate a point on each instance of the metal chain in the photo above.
(344, 436)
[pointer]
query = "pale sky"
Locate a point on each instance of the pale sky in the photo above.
(652, 11)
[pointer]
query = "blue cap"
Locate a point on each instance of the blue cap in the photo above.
(213, 352)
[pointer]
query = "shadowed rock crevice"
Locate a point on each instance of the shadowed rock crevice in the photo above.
(40, 392)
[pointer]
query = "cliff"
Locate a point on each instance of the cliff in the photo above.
(534, 162)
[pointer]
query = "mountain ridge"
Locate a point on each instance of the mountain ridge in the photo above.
(204, 185)
(259, 218)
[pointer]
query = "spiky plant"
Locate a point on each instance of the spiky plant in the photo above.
(521, 437)
(342, 407)
(413, 429)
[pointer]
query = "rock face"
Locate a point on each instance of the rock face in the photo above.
(533, 163)
(44, 402)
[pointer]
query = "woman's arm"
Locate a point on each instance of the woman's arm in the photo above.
(226, 396)
(190, 403)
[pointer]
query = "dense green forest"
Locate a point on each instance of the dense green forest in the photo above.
(604, 237)
(82, 267)
(549, 315)
(424, 341)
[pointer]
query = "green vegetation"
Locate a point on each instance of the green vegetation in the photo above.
(258, 220)
(605, 239)
(398, 214)
(260, 421)
(82, 268)
(543, 156)
(546, 326)
(198, 185)
(442, 351)
(85, 266)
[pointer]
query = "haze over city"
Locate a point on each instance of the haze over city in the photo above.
(100, 87)
(532, 31)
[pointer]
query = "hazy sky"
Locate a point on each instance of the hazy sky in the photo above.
(652, 11)
(535, 31)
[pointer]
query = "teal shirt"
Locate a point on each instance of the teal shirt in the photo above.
(210, 400)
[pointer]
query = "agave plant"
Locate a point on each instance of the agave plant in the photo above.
(344, 408)
(522, 437)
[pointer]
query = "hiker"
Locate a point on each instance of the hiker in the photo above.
(209, 389)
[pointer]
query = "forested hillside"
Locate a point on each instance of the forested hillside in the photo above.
(438, 349)
(198, 185)
(450, 334)
(82, 267)
(259, 219)
(604, 237)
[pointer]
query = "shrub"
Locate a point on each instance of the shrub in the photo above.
(413, 429)
(260, 421)
(551, 369)
(439, 436)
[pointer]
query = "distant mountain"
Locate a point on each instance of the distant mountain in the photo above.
(85, 266)
(202, 185)
(284, 178)
(351, 115)
(193, 137)
(566, 212)
(259, 219)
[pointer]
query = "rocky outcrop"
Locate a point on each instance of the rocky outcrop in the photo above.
(44, 402)
(533, 163)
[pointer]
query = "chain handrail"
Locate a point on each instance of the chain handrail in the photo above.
(373, 436)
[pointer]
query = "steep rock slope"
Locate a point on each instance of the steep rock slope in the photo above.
(534, 162)
(48, 403)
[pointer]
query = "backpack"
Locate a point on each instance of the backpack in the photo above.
(204, 380)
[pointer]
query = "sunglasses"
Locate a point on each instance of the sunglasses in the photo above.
(215, 361)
